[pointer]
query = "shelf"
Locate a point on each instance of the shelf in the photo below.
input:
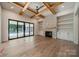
(65, 20)
(65, 23)
(66, 28)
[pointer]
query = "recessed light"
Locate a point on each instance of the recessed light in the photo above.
(12, 7)
(62, 6)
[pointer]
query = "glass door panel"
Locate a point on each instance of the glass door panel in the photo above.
(31, 29)
(12, 29)
(20, 29)
(27, 29)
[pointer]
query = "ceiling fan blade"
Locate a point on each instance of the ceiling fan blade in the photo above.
(40, 7)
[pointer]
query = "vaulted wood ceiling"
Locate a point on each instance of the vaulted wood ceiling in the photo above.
(31, 6)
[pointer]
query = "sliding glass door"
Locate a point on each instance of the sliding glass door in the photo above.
(12, 29)
(19, 29)
(27, 29)
(31, 29)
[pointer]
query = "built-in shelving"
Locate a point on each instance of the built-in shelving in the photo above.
(65, 23)
(65, 20)
(65, 26)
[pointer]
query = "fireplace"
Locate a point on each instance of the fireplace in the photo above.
(48, 34)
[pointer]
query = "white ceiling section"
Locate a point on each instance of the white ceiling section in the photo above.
(7, 5)
(16, 9)
(65, 5)
(65, 8)
(34, 4)
(28, 13)
(46, 13)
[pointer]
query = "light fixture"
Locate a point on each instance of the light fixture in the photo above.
(63, 6)
(11, 7)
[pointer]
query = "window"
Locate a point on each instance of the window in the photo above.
(19, 29)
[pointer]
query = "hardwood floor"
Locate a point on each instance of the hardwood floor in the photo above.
(38, 46)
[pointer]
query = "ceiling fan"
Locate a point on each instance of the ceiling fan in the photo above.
(38, 8)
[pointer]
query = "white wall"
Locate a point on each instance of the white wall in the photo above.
(6, 14)
(49, 23)
(0, 24)
(35, 26)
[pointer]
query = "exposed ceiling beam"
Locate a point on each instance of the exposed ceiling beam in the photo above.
(53, 6)
(17, 4)
(56, 5)
(29, 9)
(26, 5)
(44, 8)
(48, 7)
(35, 13)
(24, 8)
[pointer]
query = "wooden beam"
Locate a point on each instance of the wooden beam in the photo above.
(31, 10)
(19, 5)
(24, 8)
(38, 15)
(51, 7)
(56, 4)
(35, 13)
(48, 7)
(43, 10)
(26, 5)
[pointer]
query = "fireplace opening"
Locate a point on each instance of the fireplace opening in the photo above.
(48, 34)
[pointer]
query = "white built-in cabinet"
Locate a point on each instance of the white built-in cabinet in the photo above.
(65, 27)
